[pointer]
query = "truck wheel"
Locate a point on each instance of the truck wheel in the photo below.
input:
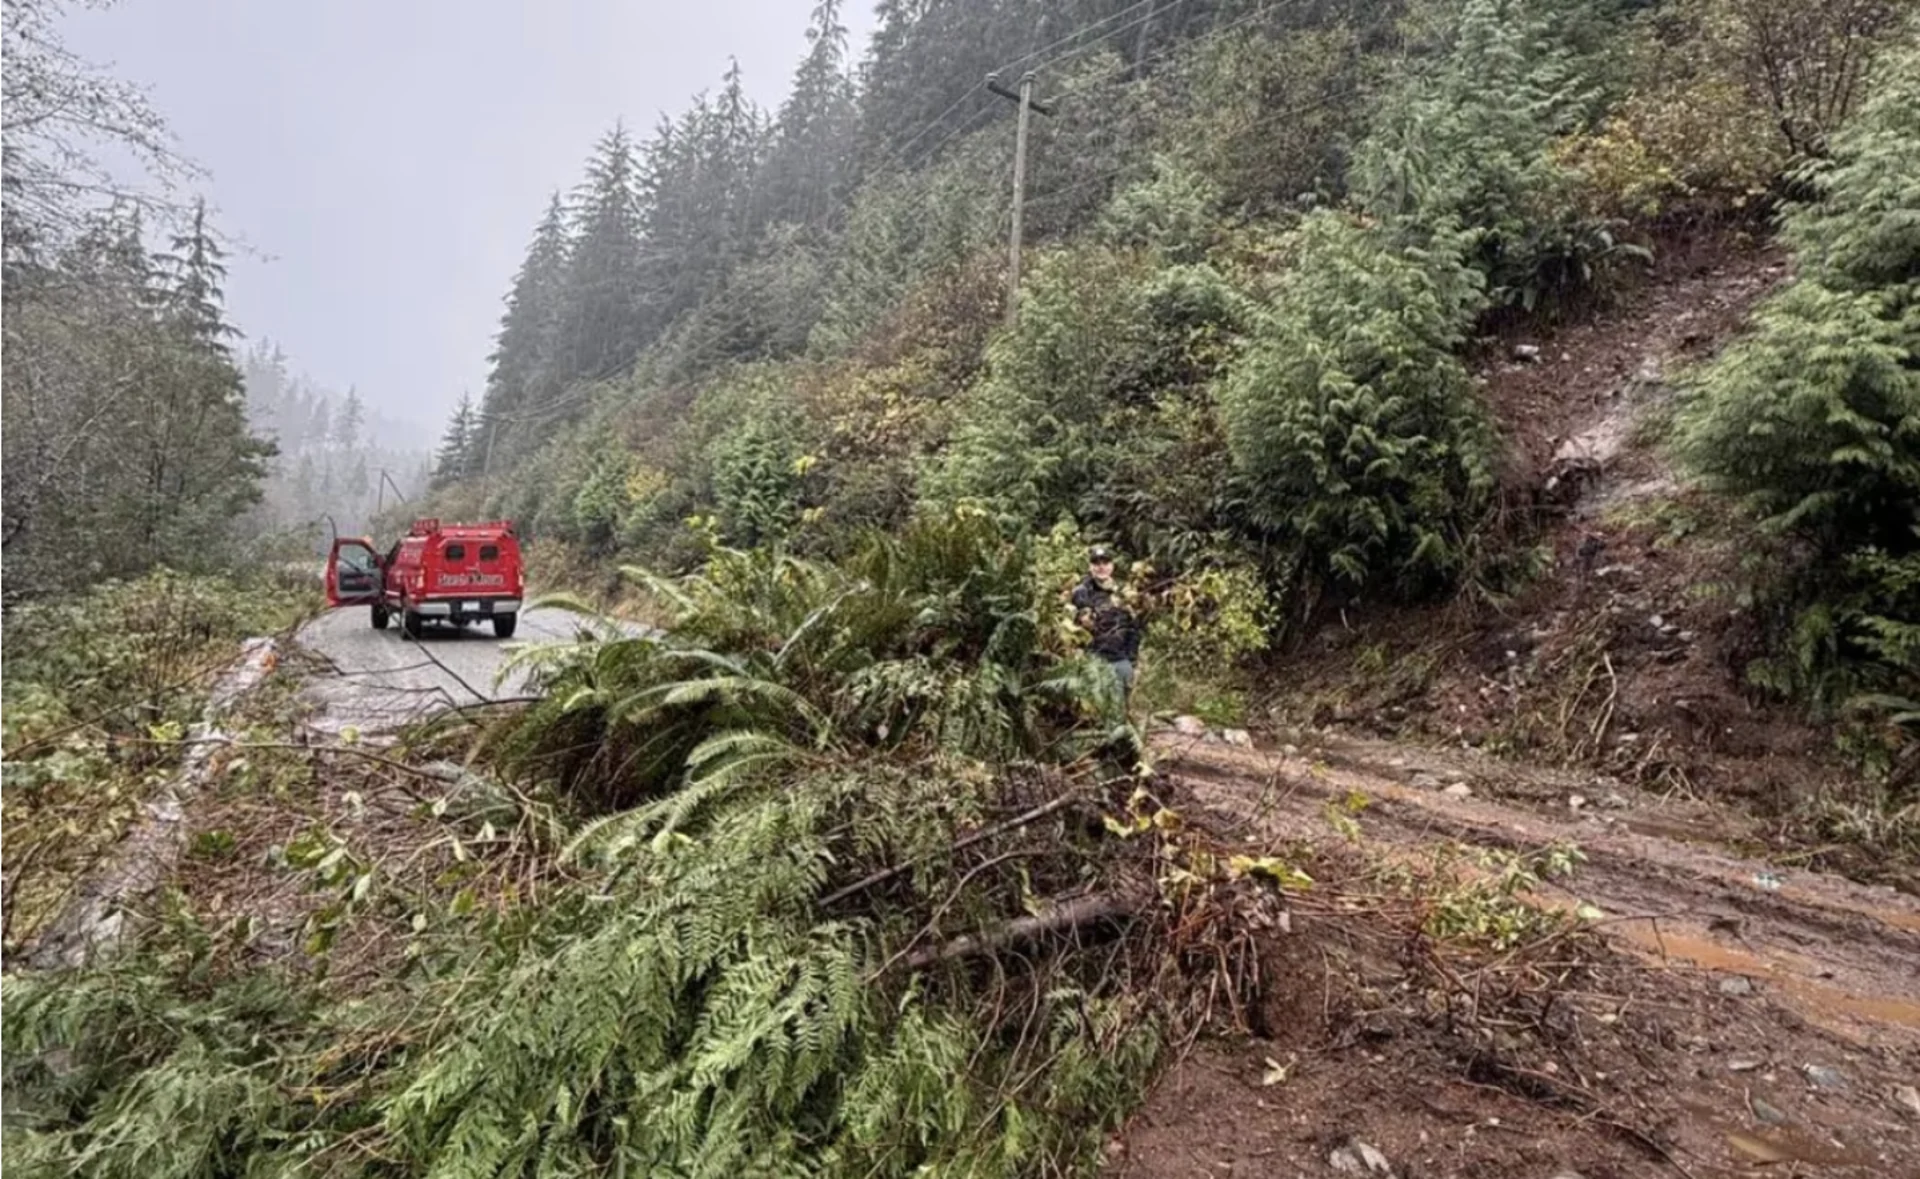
(410, 623)
(503, 625)
(379, 616)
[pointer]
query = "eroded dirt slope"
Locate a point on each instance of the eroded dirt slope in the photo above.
(1627, 656)
(1741, 1012)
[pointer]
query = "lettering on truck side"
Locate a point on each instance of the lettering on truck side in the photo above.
(446, 580)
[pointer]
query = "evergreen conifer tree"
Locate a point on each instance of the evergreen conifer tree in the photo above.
(806, 168)
(600, 322)
(347, 423)
(454, 460)
(523, 360)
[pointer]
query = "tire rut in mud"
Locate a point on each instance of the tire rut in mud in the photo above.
(1842, 955)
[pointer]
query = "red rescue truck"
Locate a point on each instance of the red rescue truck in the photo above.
(455, 573)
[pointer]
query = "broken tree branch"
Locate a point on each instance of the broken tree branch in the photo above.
(1087, 910)
(985, 833)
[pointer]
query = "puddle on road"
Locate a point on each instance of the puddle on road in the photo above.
(1794, 976)
(1820, 997)
(1777, 1144)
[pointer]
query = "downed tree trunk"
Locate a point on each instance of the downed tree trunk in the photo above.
(94, 919)
(1087, 910)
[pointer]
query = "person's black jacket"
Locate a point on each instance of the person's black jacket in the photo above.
(1116, 634)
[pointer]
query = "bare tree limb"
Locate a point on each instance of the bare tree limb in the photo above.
(1087, 910)
(985, 833)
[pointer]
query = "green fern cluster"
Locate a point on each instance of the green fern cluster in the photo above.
(1813, 419)
(155, 1068)
(930, 640)
(708, 1018)
(1366, 451)
(735, 980)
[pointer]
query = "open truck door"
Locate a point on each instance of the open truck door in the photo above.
(353, 573)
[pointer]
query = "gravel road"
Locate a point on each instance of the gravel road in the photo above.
(382, 680)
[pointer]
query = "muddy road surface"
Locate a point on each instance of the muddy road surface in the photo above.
(1846, 956)
(379, 679)
(1753, 1017)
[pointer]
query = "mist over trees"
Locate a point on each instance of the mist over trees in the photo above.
(336, 458)
(139, 429)
(857, 863)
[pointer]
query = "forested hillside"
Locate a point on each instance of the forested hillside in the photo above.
(1507, 413)
(140, 430)
(127, 440)
(1269, 246)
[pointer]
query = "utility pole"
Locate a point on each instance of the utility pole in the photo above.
(386, 481)
(1024, 99)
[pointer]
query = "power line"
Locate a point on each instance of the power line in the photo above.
(895, 155)
(1265, 120)
(1017, 62)
(1080, 50)
(970, 124)
(1175, 49)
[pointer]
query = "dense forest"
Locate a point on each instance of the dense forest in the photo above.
(858, 863)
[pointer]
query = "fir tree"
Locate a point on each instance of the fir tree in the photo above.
(196, 273)
(347, 423)
(319, 429)
(454, 460)
(806, 170)
(600, 323)
(523, 357)
(202, 465)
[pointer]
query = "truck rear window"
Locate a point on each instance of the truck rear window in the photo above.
(489, 552)
(455, 552)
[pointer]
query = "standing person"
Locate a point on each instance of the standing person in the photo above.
(1099, 607)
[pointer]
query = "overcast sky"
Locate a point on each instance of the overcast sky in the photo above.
(390, 158)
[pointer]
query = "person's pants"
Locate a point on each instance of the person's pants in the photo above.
(1123, 668)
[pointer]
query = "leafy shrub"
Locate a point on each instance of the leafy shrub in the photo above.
(138, 651)
(1813, 419)
(1100, 377)
(1023, 443)
(756, 480)
(1366, 454)
(1211, 618)
(1465, 143)
(1173, 214)
(602, 499)
(1690, 138)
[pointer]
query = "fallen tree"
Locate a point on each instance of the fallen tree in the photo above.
(817, 776)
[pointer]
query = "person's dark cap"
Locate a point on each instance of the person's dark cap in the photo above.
(1099, 554)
